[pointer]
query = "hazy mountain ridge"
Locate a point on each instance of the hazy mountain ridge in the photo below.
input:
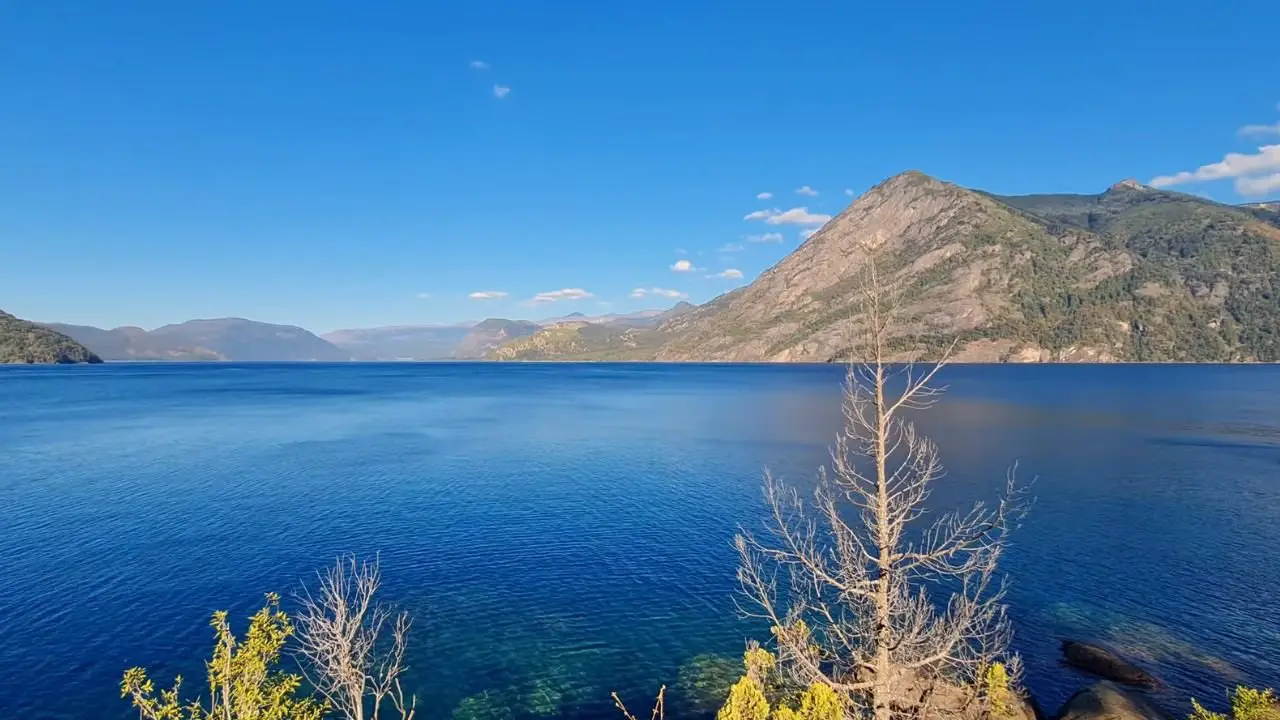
(223, 339)
(24, 342)
(1133, 273)
(464, 341)
(407, 342)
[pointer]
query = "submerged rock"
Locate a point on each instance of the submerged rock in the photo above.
(1106, 664)
(1107, 701)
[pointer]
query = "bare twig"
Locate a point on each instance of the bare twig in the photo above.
(659, 711)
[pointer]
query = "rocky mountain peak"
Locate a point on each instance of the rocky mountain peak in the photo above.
(1127, 184)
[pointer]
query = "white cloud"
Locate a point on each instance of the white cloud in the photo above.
(761, 214)
(479, 65)
(501, 91)
(1258, 186)
(1233, 165)
(682, 266)
(423, 296)
(660, 292)
(487, 295)
(806, 190)
(1256, 130)
(794, 216)
(681, 251)
(731, 274)
(808, 233)
(730, 248)
(764, 196)
(769, 237)
(848, 192)
(558, 295)
(798, 216)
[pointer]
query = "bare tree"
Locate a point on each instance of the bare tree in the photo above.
(845, 578)
(345, 654)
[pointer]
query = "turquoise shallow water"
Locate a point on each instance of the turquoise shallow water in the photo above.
(561, 531)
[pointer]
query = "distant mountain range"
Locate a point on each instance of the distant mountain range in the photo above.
(225, 339)
(468, 341)
(1131, 274)
(240, 340)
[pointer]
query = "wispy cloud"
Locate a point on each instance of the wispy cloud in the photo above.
(660, 292)
(682, 266)
(558, 295)
(1258, 186)
(848, 192)
(681, 251)
(761, 214)
(1244, 168)
(479, 65)
(423, 296)
(764, 196)
(730, 274)
(808, 233)
(1258, 130)
(794, 216)
(487, 295)
(501, 91)
(730, 248)
(806, 190)
(769, 237)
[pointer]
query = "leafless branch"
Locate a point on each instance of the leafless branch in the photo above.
(659, 711)
(345, 654)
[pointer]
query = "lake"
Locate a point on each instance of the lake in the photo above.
(563, 531)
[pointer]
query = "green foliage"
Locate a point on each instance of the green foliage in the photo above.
(1246, 704)
(25, 342)
(243, 681)
(759, 695)
(999, 694)
(746, 701)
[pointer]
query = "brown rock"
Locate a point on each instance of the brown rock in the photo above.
(1106, 664)
(1108, 701)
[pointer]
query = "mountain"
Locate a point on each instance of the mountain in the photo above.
(1132, 273)
(580, 341)
(225, 339)
(132, 343)
(489, 334)
(640, 317)
(1268, 212)
(618, 337)
(28, 342)
(408, 342)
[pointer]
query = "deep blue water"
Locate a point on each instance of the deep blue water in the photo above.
(562, 531)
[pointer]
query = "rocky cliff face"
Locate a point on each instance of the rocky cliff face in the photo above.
(963, 264)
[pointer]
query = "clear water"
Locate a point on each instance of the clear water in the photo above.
(563, 531)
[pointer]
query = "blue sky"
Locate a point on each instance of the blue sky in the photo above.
(344, 164)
